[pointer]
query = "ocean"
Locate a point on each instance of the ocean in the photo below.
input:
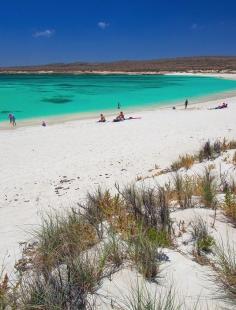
(43, 95)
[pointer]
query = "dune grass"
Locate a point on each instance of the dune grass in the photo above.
(229, 206)
(208, 188)
(184, 189)
(4, 289)
(61, 236)
(234, 158)
(184, 161)
(200, 233)
(225, 266)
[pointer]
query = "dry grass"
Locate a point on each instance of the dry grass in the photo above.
(183, 191)
(4, 290)
(144, 253)
(229, 206)
(207, 188)
(61, 236)
(200, 233)
(234, 158)
(225, 266)
(185, 161)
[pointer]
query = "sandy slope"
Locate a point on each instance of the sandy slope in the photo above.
(55, 166)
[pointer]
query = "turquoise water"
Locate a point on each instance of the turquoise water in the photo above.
(30, 96)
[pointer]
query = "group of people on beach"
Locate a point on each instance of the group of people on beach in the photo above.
(12, 119)
(119, 118)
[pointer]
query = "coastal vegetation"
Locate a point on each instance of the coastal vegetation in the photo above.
(74, 251)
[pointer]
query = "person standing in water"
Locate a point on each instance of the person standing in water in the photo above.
(186, 103)
(118, 106)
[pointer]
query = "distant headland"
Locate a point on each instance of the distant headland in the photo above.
(210, 64)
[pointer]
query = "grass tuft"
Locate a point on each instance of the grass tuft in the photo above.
(200, 233)
(185, 161)
(229, 205)
(225, 265)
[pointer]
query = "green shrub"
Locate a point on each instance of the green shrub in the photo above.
(225, 265)
(208, 189)
(203, 240)
(144, 253)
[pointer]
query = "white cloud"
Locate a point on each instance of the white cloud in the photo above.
(48, 33)
(103, 25)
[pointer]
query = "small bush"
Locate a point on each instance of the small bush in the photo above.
(211, 151)
(4, 290)
(114, 251)
(200, 234)
(184, 188)
(208, 189)
(144, 253)
(234, 158)
(61, 236)
(229, 205)
(225, 265)
(97, 208)
(142, 299)
(206, 152)
(65, 287)
(148, 206)
(231, 145)
(185, 161)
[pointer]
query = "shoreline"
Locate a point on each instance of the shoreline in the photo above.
(210, 73)
(65, 118)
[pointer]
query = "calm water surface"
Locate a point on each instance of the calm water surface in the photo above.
(30, 96)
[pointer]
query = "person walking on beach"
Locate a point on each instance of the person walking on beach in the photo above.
(186, 103)
(13, 120)
(10, 118)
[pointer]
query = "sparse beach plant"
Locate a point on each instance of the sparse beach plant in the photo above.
(4, 290)
(148, 206)
(62, 235)
(231, 145)
(200, 233)
(144, 253)
(206, 152)
(225, 266)
(114, 250)
(234, 158)
(141, 298)
(94, 208)
(184, 161)
(217, 148)
(184, 190)
(67, 286)
(208, 188)
(229, 205)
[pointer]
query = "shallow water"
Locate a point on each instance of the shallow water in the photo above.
(30, 96)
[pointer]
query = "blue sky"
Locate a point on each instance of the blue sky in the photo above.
(40, 32)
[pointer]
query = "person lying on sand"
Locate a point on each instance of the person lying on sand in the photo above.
(102, 119)
(222, 106)
(119, 118)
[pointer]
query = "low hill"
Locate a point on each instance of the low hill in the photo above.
(213, 63)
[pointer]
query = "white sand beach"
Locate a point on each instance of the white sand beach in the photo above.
(54, 167)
